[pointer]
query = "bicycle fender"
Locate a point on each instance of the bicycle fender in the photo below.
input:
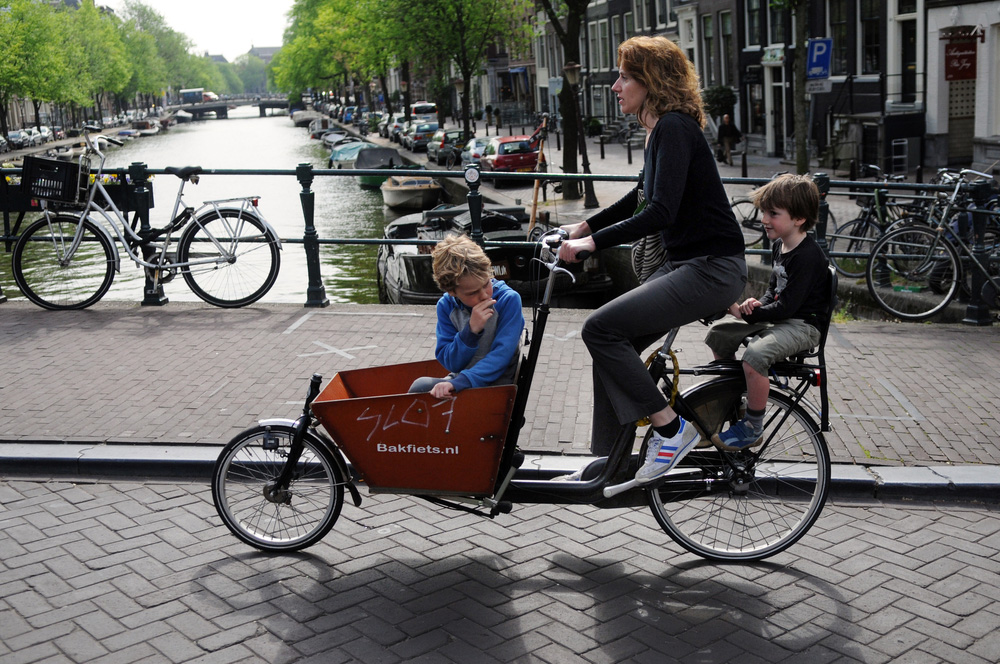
(111, 239)
(338, 456)
(267, 225)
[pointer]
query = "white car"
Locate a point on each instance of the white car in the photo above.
(473, 150)
(46, 134)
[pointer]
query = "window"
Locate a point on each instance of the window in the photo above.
(838, 32)
(629, 27)
(776, 26)
(708, 50)
(604, 43)
(542, 52)
(907, 7)
(753, 12)
(594, 54)
(727, 54)
(870, 36)
(641, 20)
(616, 38)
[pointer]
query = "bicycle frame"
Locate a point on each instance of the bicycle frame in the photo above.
(130, 239)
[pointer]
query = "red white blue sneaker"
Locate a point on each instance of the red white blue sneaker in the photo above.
(662, 454)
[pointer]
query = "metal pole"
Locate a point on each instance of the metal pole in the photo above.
(822, 181)
(589, 198)
(139, 199)
(475, 203)
(315, 292)
(977, 312)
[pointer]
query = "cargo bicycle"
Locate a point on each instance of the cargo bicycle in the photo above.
(225, 250)
(280, 485)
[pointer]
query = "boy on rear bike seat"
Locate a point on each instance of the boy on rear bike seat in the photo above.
(479, 321)
(786, 319)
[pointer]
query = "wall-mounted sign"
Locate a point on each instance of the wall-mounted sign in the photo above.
(960, 60)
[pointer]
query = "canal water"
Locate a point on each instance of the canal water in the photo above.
(247, 141)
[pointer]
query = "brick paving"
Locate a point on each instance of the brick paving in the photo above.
(129, 572)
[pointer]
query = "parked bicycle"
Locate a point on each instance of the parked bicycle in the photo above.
(859, 235)
(225, 249)
(749, 218)
(279, 486)
(916, 270)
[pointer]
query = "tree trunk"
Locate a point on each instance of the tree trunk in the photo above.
(801, 13)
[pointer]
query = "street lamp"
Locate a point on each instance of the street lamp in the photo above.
(572, 74)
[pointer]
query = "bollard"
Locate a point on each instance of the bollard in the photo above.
(510, 129)
(475, 203)
(977, 312)
(315, 292)
(743, 163)
(152, 289)
(559, 142)
(602, 145)
(822, 181)
(628, 150)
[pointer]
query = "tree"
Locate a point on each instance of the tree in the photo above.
(800, 14)
(252, 72)
(104, 55)
(567, 29)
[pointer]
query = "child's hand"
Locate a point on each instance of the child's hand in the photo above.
(443, 390)
(747, 307)
(481, 313)
(734, 310)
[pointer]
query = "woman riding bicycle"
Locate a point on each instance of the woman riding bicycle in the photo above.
(705, 270)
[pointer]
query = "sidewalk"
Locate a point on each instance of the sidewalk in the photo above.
(124, 390)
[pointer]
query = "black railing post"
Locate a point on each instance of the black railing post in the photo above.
(315, 292)
(475, 203)
(977, 312)
(628, 150)
(139, 200)
(822, 181)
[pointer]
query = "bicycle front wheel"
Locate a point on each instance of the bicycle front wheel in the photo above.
(857, 236)
(751, 504)
(50, 276)
(270, 518)
(233, 259)
(913, 272)
(748, 217)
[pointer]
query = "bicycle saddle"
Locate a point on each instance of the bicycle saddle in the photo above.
(183, 173)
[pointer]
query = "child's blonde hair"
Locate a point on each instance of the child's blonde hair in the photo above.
(797, 194)
(456, 256)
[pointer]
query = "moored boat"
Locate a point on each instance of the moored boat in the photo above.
(380, 158)
(404, 271)
(345, 154)
(417, 192)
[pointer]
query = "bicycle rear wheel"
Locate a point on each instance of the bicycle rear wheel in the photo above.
(913, 272)
(237, 271)
(748, 217)
(242, 489)
(756, 506)
(856, 236)
(49, 277)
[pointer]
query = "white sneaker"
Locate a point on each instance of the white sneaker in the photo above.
(662, 454)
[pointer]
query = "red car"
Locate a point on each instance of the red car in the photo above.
(510, 154)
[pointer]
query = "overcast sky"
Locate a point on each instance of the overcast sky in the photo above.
(229, 27)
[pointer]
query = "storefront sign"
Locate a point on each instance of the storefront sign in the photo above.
(960, 60)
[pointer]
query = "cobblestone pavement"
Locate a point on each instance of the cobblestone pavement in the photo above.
(130, 572)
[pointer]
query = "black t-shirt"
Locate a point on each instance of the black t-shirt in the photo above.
(685, 200)
(799, 285)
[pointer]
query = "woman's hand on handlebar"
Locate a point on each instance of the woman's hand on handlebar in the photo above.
(575, 231)
(570, 250)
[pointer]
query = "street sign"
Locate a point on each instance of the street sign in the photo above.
(818, 59)
(819, 86)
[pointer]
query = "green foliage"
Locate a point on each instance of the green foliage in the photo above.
(719, 100)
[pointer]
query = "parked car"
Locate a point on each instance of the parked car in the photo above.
(58, 132)
(473, 150)
(46, 133)
(35, 136)
(509, 154)
(348, 115)
(421, 134)
(4, 145)
(390, 125)
(18, 139)
(424, 111)
(444, 142)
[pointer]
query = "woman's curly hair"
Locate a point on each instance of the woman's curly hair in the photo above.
(670, 79)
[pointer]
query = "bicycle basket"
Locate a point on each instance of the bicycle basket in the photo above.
(54, 179)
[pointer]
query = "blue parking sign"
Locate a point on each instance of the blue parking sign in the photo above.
(818, 59)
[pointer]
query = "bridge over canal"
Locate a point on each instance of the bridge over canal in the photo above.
(221, 108)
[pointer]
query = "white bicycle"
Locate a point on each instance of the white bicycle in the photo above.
(226, 250)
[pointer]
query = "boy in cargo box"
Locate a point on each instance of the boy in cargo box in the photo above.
(479, 321)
